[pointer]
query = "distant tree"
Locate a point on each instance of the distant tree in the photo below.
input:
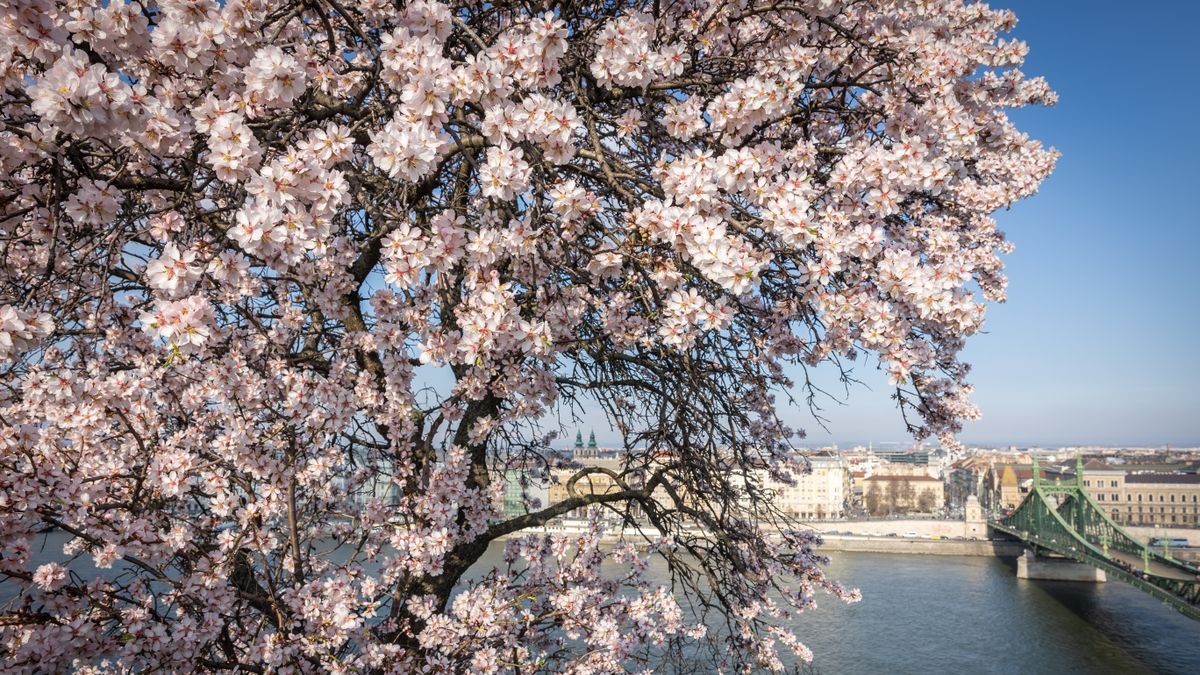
(873, 499)
(907, 495)
(893, 497)
(926, 502)
(258, 257)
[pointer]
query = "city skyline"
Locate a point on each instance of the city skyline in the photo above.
(607, 438)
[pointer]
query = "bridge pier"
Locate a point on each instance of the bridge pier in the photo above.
(1030, 566)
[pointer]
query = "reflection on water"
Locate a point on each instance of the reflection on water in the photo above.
(949, 614)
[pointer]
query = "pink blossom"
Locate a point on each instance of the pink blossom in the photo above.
(275, 77)
(20, 330)
(172, 270)
(50, 577)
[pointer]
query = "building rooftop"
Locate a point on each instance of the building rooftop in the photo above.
(1014, 473)
(1164, 478)
(1171, 467)
(905, 477)
(1097, 465)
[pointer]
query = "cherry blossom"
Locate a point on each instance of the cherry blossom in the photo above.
(21, 330)
(273, 78)
(50, 577)
(293, 294)
(172, 271)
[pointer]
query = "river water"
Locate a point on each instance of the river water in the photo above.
(952, 614)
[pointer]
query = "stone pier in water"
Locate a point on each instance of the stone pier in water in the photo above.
(1054, 568)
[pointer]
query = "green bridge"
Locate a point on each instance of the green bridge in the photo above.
(1062, 518)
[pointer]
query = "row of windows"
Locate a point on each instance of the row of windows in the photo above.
(1161, 509)
(1151, 518)
(1162, 498)
(1182, 498)
(1113, 483)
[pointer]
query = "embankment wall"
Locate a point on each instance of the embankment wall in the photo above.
(959, 528)
(923, 528)
(921, 546)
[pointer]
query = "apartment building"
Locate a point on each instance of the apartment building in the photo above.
(823, 493)
(1146, 498)
(888, 494)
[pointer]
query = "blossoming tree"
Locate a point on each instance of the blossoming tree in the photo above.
(239, 236)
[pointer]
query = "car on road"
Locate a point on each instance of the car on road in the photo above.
(910, 534)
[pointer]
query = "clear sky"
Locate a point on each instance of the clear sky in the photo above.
(1097, 343)
(1098, 340)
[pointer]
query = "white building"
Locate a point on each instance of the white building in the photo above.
(821, 494)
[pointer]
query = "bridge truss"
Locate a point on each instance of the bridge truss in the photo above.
(1062, 518)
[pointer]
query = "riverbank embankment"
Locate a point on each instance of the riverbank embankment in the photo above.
(912, 536)
(865, 544)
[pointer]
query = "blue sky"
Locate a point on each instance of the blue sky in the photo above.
(1097, 342)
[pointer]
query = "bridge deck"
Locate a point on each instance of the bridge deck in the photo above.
(1158, 569)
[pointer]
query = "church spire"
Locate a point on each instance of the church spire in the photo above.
(592, 441)
(578, 440)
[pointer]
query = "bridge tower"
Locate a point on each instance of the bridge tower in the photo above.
(1038, 563)
(1079, 513)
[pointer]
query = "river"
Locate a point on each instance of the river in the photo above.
(952, 614)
